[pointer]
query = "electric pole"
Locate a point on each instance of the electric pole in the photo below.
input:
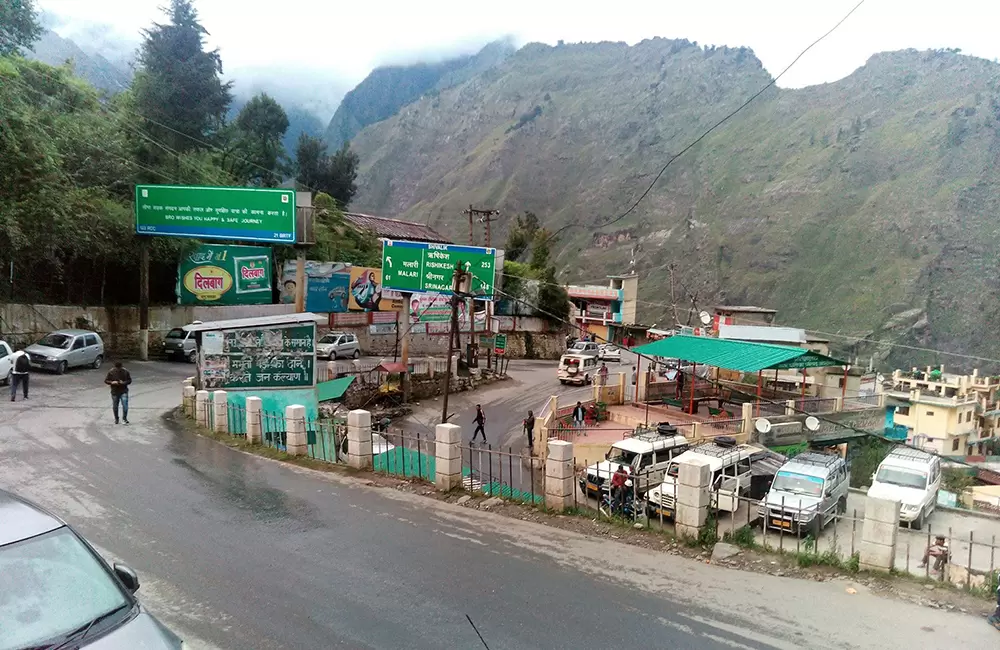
(461, 285)
(484, 217)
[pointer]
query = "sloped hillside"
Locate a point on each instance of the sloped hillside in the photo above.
(864, 206)
(101, 73)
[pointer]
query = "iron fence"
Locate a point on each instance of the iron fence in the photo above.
(506, 474)
(273, 429)
(817, 404)
(403, 454)
(237, 416)
(324, 438)
(722, 426)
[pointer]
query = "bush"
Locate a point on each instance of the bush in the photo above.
(742, 537)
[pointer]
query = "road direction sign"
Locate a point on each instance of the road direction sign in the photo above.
(233, 213)
(500, 344)
(415, 266)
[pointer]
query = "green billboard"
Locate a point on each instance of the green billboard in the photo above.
(267, 357)
(225, 275)
(236, 213)
(415, 266)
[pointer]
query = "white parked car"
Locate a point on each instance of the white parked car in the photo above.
(6, 362)
(379, 446)
(609, 352)
(912, 477)
(338, 345)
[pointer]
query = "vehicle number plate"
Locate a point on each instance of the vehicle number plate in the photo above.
(781, 523)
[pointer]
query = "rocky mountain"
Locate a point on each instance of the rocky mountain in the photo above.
(387, 89)
(96, 69)
(863, 207)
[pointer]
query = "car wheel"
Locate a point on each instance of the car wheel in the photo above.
(357, 354)
(7, 379)
(842, 505)
(61, 368)
(918, 523)
(192, 356)
(98, 361)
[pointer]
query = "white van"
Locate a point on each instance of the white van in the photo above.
(645, 456)
(912, 477)
(730, 467)
(808, 492)
(576, 369)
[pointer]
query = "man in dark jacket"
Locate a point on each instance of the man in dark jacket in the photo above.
(20, 374)
(480, 423)
(119, 379)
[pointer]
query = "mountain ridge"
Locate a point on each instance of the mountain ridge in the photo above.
(843, 205)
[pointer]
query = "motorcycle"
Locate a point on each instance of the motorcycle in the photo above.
(626, 509)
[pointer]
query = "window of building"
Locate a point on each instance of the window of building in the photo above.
(968, 416)
(930, 413)
(902, 410)
(954, 444)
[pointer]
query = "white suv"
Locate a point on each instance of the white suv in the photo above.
(730, 467)
(912, 477)
(644, 456)
(6, 363)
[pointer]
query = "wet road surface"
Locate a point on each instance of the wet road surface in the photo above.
(242, 552)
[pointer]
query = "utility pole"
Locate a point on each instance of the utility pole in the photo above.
(459, 292)
(487, 217)
(484, 217)
(143, 298)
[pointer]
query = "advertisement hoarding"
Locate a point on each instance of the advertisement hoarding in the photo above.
(225, 275)
(246, 359)
(368, 294)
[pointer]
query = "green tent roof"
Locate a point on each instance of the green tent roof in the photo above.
(334, 389)
(736, 355)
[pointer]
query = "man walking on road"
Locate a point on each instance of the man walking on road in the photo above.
(20, 374)
(480, 423)
(529, 430)
(119, 379)
(602, 375)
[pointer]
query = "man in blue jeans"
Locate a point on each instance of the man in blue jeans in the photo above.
(119, 379)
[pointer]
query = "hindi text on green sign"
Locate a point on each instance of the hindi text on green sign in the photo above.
(280, 357)
(415, 266)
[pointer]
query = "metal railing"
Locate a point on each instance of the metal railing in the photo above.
(817, 405)
(403, 455)
(237, 416)
(502, 473)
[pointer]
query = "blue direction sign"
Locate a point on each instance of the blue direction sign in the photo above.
(415, 266)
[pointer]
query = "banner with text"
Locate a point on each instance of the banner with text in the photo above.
(225, 275)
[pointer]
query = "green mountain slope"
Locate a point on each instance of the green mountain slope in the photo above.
(867, 206)
(101, 73)
(387, 89)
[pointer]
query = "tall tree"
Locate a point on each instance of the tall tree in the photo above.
(318, 171)
(19, 27)
(255, 154)
(178, 89)
(521, 236)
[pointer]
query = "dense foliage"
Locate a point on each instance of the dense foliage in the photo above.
(70, 157)
(531, 287)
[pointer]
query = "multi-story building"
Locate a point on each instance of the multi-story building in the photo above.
(947, 413)
(605, 312)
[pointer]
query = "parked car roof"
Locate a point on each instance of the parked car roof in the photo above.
(72, 332)
(23, 519)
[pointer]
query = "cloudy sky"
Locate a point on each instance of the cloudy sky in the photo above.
(316, 50)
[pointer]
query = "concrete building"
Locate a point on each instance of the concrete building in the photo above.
(949, 413)
(606, 312)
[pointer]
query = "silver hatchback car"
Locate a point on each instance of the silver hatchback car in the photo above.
(338, 345)
(64, 349)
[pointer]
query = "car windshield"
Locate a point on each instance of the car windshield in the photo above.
(798, 484)
(329, 338)
(897, 476)
(56, 341)
(621, 456)
(51, 585)
(176, 333)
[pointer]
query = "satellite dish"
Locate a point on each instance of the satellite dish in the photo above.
(812, 423)
(763, 425)
(705, 317)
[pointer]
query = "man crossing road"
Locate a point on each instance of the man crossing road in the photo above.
(119, 380)
(20, 374)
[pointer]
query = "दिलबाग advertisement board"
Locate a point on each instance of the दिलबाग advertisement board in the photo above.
(248, 359)
(238, 213)
(225, 275)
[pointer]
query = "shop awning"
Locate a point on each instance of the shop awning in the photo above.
(736, 355)
(333, 389)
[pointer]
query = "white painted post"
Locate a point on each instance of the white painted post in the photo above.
(448, 457)
(184, 384)
(189, 396)
(878, 540)
(331, 370)
(559, 476)
(296, 441)
(748, 420)
(789, 407)
(255, 434)
(359, 439)
(692, 497)
(201, 408)
(220, 402)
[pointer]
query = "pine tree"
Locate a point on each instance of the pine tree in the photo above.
(19, 27)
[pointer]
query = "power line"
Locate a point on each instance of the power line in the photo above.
(725, 119)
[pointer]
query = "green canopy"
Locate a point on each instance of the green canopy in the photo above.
(333, 389)
(736, 355)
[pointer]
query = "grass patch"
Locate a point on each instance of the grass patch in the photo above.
(742, 537)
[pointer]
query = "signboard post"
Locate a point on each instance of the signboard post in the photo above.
(420, 267)
(237, 213)
(271, 357)
(500, 345)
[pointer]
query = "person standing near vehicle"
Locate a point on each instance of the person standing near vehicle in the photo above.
(119, 379)
(529, 430)
(618, 488)
(602, 374)
(480, 423)
(19, 374)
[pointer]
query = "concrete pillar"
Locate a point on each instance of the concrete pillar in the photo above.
(296, 442)
(201, 407)
(188, 403)
(696, 431)
(220, 402)
(448, 457)
(331, 370)
(790, 407)
(359, 439)
(559, 476)
(640, 388)
(878, 541)
(184, 384)
(747, 415)
(693, 497)
(838, 404)
(255, 433)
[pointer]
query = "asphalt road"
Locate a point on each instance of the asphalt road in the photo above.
(240, 552)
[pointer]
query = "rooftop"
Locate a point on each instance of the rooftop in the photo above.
(736, 355)
(395, 228)
(745, 309)
(258, 321)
